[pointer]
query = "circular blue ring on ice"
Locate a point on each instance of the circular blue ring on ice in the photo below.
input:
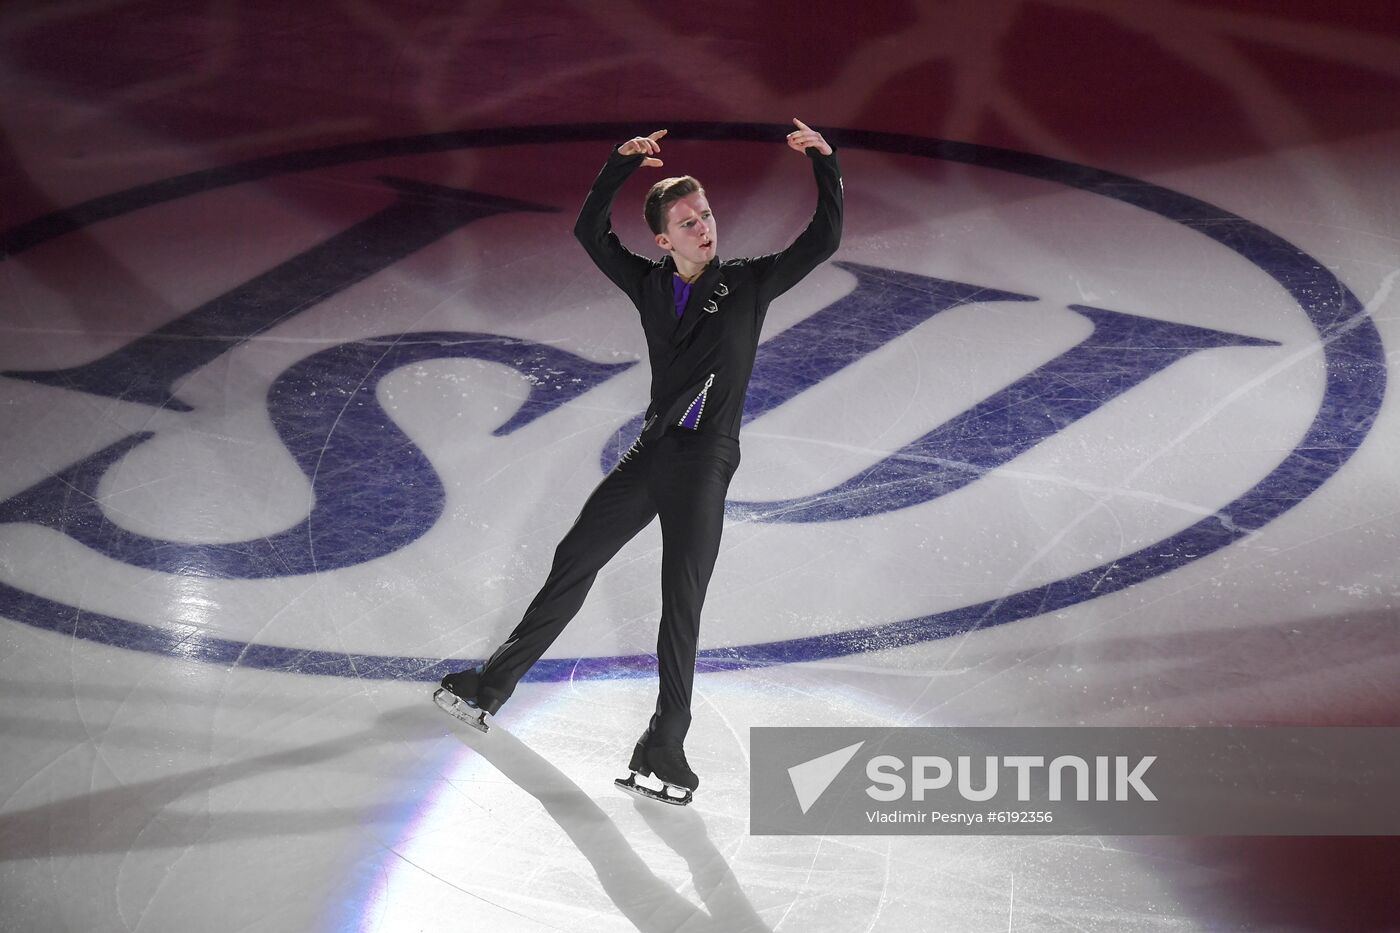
(1355, 385)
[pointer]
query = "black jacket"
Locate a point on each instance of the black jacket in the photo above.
(705, 358)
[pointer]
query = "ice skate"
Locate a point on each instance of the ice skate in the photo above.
(457, 696)
(666, 764)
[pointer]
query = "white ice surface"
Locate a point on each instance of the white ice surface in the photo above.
(158, 793)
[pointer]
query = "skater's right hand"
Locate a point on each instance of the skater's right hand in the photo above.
(644, 145)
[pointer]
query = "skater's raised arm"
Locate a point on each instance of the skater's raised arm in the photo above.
(780, 271)
(594, 229)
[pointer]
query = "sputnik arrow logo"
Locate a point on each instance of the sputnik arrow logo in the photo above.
(811, 778)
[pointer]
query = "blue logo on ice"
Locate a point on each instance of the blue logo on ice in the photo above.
(374, 491)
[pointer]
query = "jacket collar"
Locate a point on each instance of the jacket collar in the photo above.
(701, 291)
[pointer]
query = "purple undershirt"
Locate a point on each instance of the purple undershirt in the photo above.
(682, 290)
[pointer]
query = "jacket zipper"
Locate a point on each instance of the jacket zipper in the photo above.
(697, 407)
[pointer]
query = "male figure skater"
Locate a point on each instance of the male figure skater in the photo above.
(702, 317)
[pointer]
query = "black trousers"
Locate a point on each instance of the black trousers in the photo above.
(681, 477)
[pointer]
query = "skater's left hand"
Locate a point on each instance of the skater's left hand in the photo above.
(804, 137)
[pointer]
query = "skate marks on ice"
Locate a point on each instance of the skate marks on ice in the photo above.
(652, 904)
(172, 811)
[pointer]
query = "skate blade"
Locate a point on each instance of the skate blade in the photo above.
(457, 708)
(663, 795)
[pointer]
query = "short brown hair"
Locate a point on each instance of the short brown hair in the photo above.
(662, 195)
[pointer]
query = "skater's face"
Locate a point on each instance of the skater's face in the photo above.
(691, 235)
